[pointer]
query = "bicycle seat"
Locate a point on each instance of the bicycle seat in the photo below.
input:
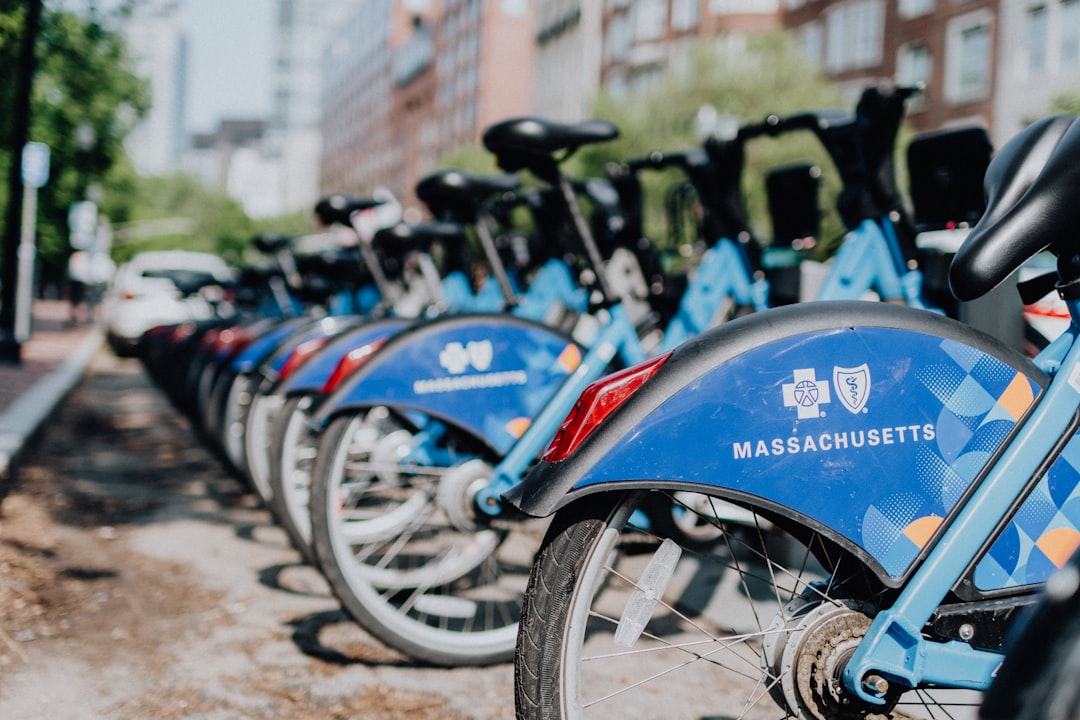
(1031, 206)
(337, 209)
(526, 143)
(339, 264)
(403, 238)
(270, 243)
(458, 193)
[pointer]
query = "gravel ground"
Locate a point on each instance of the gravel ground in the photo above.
(139, 579)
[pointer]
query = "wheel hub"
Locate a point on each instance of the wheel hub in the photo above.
(457, 493)
(809, 645)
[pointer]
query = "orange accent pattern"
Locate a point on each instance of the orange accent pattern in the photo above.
(1018, 397)
(1059, 544)
(518, 426)
(569, 358)
(920, 531)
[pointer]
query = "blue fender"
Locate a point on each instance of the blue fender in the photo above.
(248, 359)
(327, 327)
(313, 374)
(486, 374)
(865, 421)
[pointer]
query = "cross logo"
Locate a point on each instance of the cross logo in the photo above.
(806, 394)
(457, 358)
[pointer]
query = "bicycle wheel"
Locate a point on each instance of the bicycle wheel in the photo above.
(404, 555)
(237, 398)
(290, 457)
(623, 621)
(256, 437)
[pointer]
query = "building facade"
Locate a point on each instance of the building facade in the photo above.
(293, 136)
(414, 80)
(1039, 51)
(645, 40)
(948, 46)
(155, 35)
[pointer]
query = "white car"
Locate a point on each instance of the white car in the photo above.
(159, 288)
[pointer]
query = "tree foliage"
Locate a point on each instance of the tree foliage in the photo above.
(86, 99)
(203, 219)
(1067, 103)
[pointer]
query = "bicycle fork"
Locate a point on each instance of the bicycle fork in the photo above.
(616, 337)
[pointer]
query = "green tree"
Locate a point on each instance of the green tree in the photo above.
(1067, 103)
(86, 99)
(177, 211)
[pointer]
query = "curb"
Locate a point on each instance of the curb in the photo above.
(25, 416)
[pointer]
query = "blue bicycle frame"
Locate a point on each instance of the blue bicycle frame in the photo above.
(893, 646)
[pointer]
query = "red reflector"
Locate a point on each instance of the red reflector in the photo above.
(209, 339)
(299, 354)
(181, 332)
(349, 363)
(596, 402)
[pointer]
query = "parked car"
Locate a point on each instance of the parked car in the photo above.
(159, 288)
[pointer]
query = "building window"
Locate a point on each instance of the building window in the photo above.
(1036, 40)
(685, 14)
(853, 35)
(914, 8)
(650, 19)
(1070, 32)
(914, 65)
(967, 58)
(812, 38)
(617, 42)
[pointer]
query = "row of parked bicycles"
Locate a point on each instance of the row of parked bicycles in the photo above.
(680, 493)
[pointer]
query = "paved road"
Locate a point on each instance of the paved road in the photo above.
(138, 579)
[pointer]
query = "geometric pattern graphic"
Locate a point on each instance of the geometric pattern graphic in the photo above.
(1043, 533)
(973, 421)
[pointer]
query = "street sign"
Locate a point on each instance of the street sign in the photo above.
(35, 164)
(82, 223)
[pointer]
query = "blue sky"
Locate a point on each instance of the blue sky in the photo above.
(231, 45)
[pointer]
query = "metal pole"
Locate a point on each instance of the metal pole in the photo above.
(27, 252)
(10, 347)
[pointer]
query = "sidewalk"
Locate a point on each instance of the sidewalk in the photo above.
(53, 360)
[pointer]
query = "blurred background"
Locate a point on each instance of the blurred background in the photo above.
(197, 123)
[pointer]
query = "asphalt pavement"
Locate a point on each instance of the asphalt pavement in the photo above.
(53, 361)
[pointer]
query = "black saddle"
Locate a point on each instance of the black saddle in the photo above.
(1033, 203)
(337, 209)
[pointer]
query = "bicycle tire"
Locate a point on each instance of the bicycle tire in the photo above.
(436, 592)
(729, 619)
(255, 440)
(290, 456)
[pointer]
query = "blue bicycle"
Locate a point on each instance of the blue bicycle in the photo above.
(907, 484)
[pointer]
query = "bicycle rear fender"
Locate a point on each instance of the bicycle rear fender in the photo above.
(326, 327)
(313, 374)
(248, 359)
(486, 374)
(865, 421)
